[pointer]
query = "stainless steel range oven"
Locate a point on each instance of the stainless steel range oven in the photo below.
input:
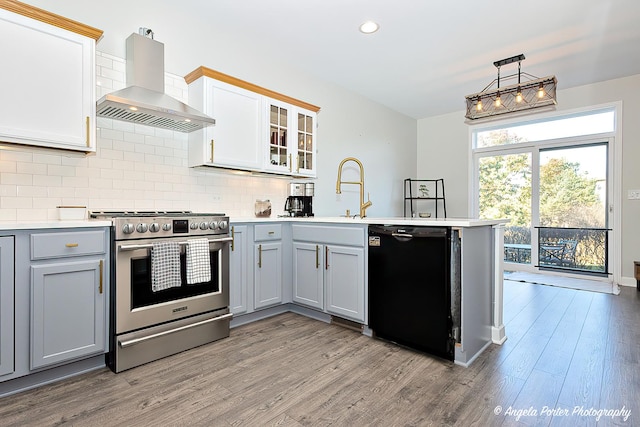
(149, 321)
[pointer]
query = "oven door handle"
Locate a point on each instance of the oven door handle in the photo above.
(150, 245)
(134, 341)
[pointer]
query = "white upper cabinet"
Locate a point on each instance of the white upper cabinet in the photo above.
(291, 139)
(47, 79)
(234, 141)
(256, 129)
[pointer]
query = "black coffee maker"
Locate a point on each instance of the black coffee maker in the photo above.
(299, 202)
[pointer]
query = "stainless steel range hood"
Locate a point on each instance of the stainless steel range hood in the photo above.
(143, 101)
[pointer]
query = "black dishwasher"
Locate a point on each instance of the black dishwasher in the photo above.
(409, 287)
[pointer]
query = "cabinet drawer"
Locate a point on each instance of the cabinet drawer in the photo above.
(350, 236)
(268, 232)
(56, 245)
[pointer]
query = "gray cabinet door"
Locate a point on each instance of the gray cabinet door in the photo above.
(67, 311)
(238, 270)
(344, 281)
(308, 274)
(6, 305)
(268, 274)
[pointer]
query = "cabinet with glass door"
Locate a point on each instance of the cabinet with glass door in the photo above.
(292, 139)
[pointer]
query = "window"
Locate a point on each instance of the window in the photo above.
(551, 178)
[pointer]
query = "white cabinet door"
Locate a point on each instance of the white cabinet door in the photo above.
(235, 140)
(268, 274)
(278, 140)
(47, 81)
(7, 364)
(344, 281)
(67, 311)
(308, 275)
(238, 270)
(304, 162)
(291, 139)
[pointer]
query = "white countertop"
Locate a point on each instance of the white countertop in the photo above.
(31, 225)
(426, 222)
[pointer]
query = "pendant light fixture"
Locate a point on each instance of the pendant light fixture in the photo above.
(524, 95)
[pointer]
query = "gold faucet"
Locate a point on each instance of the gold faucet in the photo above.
(339, 182)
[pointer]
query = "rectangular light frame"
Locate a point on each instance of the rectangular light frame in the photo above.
(508, 103)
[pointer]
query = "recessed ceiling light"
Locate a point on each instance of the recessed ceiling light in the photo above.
(369, 27)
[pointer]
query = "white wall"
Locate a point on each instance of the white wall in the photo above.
(447, 137)
(138, 167)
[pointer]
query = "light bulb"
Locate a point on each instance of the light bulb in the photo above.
(369, 27)
(479, 105)
(498, 100)
(519, 95)
(541, 91)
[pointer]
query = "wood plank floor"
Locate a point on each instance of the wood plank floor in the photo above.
(566, 349)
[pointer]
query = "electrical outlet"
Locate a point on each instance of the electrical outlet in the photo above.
(216, 198)
(633, 195)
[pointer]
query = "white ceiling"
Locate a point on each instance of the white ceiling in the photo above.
(428, 55)
(425, 58)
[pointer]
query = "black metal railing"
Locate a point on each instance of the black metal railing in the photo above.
(576, 249)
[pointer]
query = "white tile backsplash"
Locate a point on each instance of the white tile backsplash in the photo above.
(134, 167)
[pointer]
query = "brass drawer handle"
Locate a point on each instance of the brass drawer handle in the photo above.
(71, 245)
(88, 127)
(259, 256)
(101, 273)
(233, 238)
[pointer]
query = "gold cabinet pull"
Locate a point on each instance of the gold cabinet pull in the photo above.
(71, 245)
(298, 163)
(259, 256)
(326, 257)
(317, 257)
(271, 232)
(233, 238)
(87, 122)
(212, 151)
(290, 164)
(101, 274)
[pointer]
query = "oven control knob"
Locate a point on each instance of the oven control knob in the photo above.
(204, 226)
(142, 228)
(154, 228)
(128, 228)
(222, 225)
(193, 225)
(213, 225)
(166, 227)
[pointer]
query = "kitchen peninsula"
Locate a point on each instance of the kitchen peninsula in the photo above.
(322, 264)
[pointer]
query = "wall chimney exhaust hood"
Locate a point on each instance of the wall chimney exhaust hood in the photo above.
(143, 101)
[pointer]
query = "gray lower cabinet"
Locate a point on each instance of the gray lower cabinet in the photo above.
(7, 322)
(67, 311)
(54, 295)
(308, 274)
(345, 283)
(329, 269)
(268, 279)
(68, 301)
(239, 270)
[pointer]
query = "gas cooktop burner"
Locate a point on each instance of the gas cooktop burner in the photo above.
(140, 214)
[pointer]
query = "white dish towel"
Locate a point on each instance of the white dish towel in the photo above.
(165, 266)
(198, 263)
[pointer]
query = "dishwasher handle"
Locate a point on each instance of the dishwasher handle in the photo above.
(407, 232)
(402, 235)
